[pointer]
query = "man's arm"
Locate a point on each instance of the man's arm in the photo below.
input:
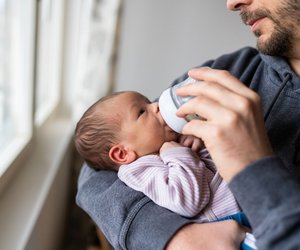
(229, 234)
(269, 195)
(132, 221)
(128, 218)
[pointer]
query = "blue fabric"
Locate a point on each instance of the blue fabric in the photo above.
(239, 217)
(244, 246)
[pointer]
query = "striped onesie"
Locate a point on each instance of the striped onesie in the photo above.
(182, 181)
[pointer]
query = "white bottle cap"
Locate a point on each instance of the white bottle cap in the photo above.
(168, 111)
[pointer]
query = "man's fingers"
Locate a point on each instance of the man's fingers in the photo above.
(222, 77)
(217, 93)
(220, 93)
(204, 107)
(195, 127)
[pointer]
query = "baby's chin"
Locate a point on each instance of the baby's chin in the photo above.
(170, 131)
(172, 136)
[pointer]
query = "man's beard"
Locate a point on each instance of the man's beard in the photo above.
(280, 42)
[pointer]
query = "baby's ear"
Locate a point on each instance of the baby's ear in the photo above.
(121, 154)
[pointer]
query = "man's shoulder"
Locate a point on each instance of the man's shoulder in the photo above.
(239, 62)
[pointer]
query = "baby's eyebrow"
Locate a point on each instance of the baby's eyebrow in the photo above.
(133, 106)
(134, 109)
(147, 100)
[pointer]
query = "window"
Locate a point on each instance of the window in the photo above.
(38, 76)
(16, 77)
(98, 21)
(31, 64)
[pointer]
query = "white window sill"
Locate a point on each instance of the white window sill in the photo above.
(10, 151)
(24, 197)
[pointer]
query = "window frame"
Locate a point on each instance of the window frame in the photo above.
(49, 59)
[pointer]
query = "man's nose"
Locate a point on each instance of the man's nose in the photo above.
(237, 4)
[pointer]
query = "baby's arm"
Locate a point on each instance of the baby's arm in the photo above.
(177, 180)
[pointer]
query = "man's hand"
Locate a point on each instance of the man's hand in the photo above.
(234, 131)
(209, 236)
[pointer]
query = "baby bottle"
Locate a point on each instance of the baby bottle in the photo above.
(169, 103)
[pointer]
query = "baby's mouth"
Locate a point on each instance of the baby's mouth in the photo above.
(166, 125)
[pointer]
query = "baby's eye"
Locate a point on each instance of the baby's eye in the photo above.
(142, 111)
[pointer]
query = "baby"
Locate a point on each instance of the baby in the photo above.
(125, 132)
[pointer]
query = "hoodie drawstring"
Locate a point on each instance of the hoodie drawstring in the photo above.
(287, 78)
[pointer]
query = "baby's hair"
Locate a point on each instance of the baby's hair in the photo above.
(96, 132)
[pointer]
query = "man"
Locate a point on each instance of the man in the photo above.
(254, 140)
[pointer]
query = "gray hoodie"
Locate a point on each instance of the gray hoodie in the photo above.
(268, 190)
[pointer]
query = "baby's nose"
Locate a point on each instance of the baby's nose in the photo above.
(155, 107)
(156, 112)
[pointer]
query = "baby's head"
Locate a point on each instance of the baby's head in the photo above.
(96, 131)
(120, 128)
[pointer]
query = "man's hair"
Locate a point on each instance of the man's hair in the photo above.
(96, 132)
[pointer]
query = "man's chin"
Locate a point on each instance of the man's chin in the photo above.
(278, 44)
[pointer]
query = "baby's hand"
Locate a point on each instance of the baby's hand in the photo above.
(191, 141)
(170, 144)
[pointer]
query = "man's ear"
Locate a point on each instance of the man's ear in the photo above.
(121, 154)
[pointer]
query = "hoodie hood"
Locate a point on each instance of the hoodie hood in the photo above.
(279, 69)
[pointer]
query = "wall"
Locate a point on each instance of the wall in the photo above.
(160, 40)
